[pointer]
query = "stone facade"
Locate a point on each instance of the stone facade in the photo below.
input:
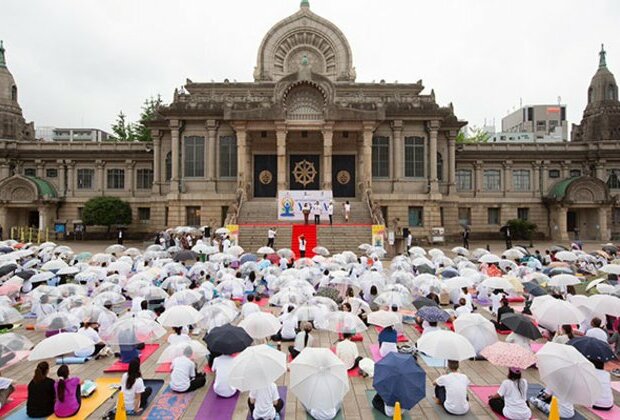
(387, 146)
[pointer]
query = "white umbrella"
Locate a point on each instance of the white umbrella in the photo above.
(199, 351)
(265, 250)
(394, 298)
(285, 253)
(446, 345)
(235, 250)
(179, 316)
(257, 367)
(54, 265)
(321, 250)
(115, 249)
(183, 297)
(260, 325)
(564, 280)
(58, 345)
(605, 304)
(605, 289)
(459, 250)
(216, 315)
(566, 256)
(318, 379)
(68, 271)
(489, 259)
(595, 282)
(497, 283)
(556, 312)
(133, 330)
(513, 254)
(383, 319)
(478, 330)
(417, 251)
(344, 322)
(108, 297)
(222, 231)
(568, 374)
(610, 269)
(57, 321)
(458, 282)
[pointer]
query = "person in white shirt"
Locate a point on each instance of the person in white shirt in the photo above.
(136, 395)
(43, 307)
(303, 339)
(106, 317)
(316, 212)
(511, 397)
(462, 308)
(302, 245)
(265, 403)
(451, 390)
(330, 212)
(596, 331)
(225, 244)
(283, 263)
(606, 401)
(377, 265)
(289, 322)
(184, 377)
(249, 307)
(91, 351)
(496, 299)
(221, 385)
(347, 351)
(178, 336)
(347, 210)
(432, 326)
(136, 304)
(271, 237)
(327, 414)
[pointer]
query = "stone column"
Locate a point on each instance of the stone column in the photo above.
(156, 161)
(398, 150)
(433, 126)
(211, 151)
(242, 149)
(62, 191)
(602, 223)
(536, 178)
(507, 175)
(70, 178)
(100, 165)
(129, 177)
(564, 169)
(281, 152)
(452, 162)
(42, 217)
(40, 168)
(328, 135)
(543, 177)
(562, 227)
(175, 176)
(4, 170)
(366, 155)
(477, 177)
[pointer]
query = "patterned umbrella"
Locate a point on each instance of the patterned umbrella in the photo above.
(433, 314)
(508, 355)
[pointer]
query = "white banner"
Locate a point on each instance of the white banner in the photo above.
(291, 203)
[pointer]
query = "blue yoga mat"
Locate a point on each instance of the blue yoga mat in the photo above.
(72, 360)
(432, 362)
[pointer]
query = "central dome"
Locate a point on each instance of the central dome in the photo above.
(304, 37)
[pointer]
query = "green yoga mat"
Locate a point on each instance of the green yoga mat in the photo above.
(377, 415)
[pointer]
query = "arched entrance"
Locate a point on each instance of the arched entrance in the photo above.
(27, 201)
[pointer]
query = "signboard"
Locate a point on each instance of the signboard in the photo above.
(234, 234)
(378, 235)
(291, 203)
(437, 235)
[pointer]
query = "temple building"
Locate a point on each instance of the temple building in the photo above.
(222, 151)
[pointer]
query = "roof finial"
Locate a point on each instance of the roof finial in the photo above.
(305, 3)
(602, 62)
(2, 58)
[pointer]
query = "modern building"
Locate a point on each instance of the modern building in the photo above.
(545, 121)
(79, 134)
(44, 132)
(522, 137)
(222, 151)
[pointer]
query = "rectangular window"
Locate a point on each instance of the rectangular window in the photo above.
(523, 213)
(166, 213)
(492, 180)
(85, 179)
(493, 216)
(30, 172)
(541, 125)
(616, 216)
(116, 179)
(228, 157)
(144, 179)
(144, 214)
(194, 156)
(464, 216)
(80, 211)
(414, 157)
(380, 157)
(416, 216)
(553, 124)
(574, 173)
(554, 173)
(521, 180)
(51, 173)
(192, 216)
(463, 180)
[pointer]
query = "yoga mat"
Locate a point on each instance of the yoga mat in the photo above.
(613, 414)
(216, 407)
(282, 391)
(19, 415)
(72, 360)
(615, 385)
(516, 299)
(374, 352)
(15, 399)
(536, 346)
(119, 366)
(156, 385)
(169, 405)
(92, 403)
(483, 393)
(355, 338)
(433, 362)
(399, 339)
(264, 302)
(164, 368)
(377, 415)
(534, 389)
(439, 410)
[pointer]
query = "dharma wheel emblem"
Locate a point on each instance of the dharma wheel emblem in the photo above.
(265, 177)
(304, 172)
(343, 177)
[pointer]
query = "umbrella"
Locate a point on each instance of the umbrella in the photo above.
(9, 315)
(199, 351)
(257, 367)
(183, 297)
(458, 282)
(321, 250)
(222, 231)
(383, 319)
(513, 254)
(265, 250)
(394, 298)
(186, 255)
(179, 316)
(610, 269)
(13, 348)
(489, 259)
(7, 268)
(133, 330)
(421, 302)
(497, 283)
(115, 249)
(605, 304)
(568, 373)
(108, 297)
(398, 378)
(260, 325)
(534, 289)
(235, 250)
(285, 253)
(54, 265)
(566, 256)
(521, 325)
(595, 282)
(248, 258)
(508, 355)
(433, 314)
(68, 271)
(216, 315)
(478, 330)
(57, 321)
(446, 345)
(227, 339)
(319, 378)
(556, 312)
(564, 280)
(41, 277)
(459, 250)
(593, 348)
(58, 345)
(344, 322)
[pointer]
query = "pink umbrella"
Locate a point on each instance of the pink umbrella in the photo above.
(508, 355)
(9, 289)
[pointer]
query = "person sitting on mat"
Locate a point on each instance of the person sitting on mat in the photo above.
(221, 385)
(68, 393)
(451, 390)
(606, 401)
(303, 339)
(6, 389)
(289, 322)
(129, 351)
(543, 402)
(346, 350)
(503, 310)
(379, 404)
(98, 345)
(178, 336)
(184, 377)
(132, 386)
(510, 400)
(41, 393)
(388, 337)
(564, 335)
(265, 403)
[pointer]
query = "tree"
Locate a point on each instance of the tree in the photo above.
(123, 131)
(475, 135)
(106, 211)
(521, 229)
(149, 111)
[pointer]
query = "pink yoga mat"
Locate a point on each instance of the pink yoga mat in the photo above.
(616, 385)
(15, 399)
(374, 352)
(164, 368)
(613, 414)
(483, 393)
(118, 366)
(536, 347)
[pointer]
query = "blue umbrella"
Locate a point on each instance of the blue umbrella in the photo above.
(449, 272)
(248, 257)
(433, 314)
(399, 378)
(534, 289)
(593, 348)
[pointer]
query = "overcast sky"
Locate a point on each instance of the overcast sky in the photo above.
(78, 62)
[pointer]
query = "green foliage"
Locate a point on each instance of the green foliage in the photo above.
(123, 130)
(127, 131)
(106, 211)
(521, 229)
(476, 135)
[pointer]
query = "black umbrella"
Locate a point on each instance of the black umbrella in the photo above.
(610, 249)
(7, 268)
(593, 348)
(421, 302)
(26, 274)
(534, 289)
(6, 249)
(521, 325)
(227, 339)
(186, 255)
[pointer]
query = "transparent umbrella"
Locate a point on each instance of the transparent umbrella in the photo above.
(199, 351)
(132, 331)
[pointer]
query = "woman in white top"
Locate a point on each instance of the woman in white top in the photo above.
(347, 351)
(132, 386)
(221, 385)
(303, 339)
(347, 210)
(606, 401)
(178, 336)
(564, 334)
(289, 323)
(511, 397)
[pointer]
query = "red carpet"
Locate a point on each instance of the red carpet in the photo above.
(309, 231)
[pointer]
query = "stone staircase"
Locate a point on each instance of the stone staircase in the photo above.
(257, 215)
